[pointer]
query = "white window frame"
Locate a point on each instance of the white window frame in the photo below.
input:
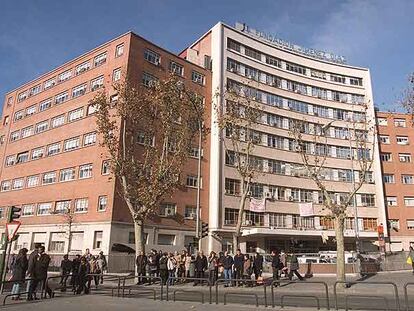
(85, 171)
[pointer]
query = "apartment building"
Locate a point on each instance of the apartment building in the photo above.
(290, 83)
(396, 136)
(51, 159)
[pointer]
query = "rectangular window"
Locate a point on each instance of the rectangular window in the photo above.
(152, 57)
(119, 50)
(65, 76)
(272, 61)
(18, 183)
(42, 126)
(102, 203)
(99, 60)
(399, 123)
(232, 186)
(230, 216)
(233, 45)
(407, 179)
(197, 77)
(116, 75)
(105, 168)
(176, 68)
(10, 160)
(337, 78)
(386, 157)
(67, 174)
(148, 79)
(402, 140)
(49, 83)
(367, 199)
(31, 110)
(89, 139)
(296, 68)
(22, 157)
(168, 209)
(166, 239)
(91, 109)
(5, 185)
(192, 181)
(53, 149)
(357, 99)
(46, 104)
(75, 114)
(58, 121)
(33, 181)
(22, 96)
(81, 205)
(190, 212)
(391, 201)
(318, 74)
(410, 224)
(404, 157)
(384, 139)
(28, 209)
(355, 81)
(35, 90)
(61, 98)
(44, 208)
(37, 153)
(252, 53)
(97, 83)
(409, 201)
(85, 171)
(14, 135)
(27, 131)
(85, 66)
(62, 207)
(389, 178)
(97, 239)
(19, 115)
(71, 144)
(49, 178)
(79, 90)
(382, 121)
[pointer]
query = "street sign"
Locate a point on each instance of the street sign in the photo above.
(12, 228)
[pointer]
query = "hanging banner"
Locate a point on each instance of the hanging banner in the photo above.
(258, 206)
(306, 209)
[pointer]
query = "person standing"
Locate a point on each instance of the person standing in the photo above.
(227, 265)
(212, 268)
(74, 280)
(102, 264)
(181, 265)
(294, 267)
(172, 266)
(275, 266)
(30, 268)
(163, 268)
(238, 266)
(83, 278)
(141, 262)
(153, 265)
(247, 270)
(283, 264)
(88, 256)
(94, 269)
(187, 264)
(65, 269)
(200, 267)
(257, 265)
(41, 266)
(19, 272)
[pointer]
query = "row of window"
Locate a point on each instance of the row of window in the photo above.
(67, 145)
(67, 174)
(66, 75)
(293, 86)
(292, 67)
(298, 106)
(406, 179)
(292, 221)
(173, 66)
(294, 169)
(79, 205)
(278, 193)
(402, 157)
(392, 201)
(398, 122)
(57, 121)
(400, 140)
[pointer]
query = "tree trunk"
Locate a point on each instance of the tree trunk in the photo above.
(340, 250)
(139, 236)
(237, 231)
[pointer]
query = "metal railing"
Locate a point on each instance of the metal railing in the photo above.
(136, 286)
(407, 305)
(22, 283)
(235, 281)
(198, 280)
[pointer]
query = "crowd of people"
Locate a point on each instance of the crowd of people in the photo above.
(33, 269)
(240, 269)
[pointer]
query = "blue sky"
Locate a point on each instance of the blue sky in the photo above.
(38, 35)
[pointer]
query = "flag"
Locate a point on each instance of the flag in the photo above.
(306, 209)
(258, 206)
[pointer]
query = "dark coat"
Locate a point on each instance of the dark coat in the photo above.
(239, 261)
(40, 267)
(258, 263)
(75, 266)
(276, 262)
(31, 263)
(19, 268)
(200, 263)
(293, 263)
(66, 266)
(141, 263)
(227, 262)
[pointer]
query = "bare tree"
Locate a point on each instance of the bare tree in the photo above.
(68, 215)
(148, 133)
(407, 100)
(314, 150)
(241, 111)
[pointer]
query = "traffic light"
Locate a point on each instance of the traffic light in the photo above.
(14, 213)
(204, 229)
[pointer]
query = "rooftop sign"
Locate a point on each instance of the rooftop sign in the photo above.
(286, 45)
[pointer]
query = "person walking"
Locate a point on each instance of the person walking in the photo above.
(163, 268)
(141, 262)
(172, 266)
(41, 266)
(212, 268)
(30, 268)
(19, 272)
(74, 280)
(238, 266)
(83, 278)
(275, 267)
(220, 257)
(257, 266)
(65, 269)
(228, 265)
(200, 267)
(94, 269)
(283, 264)
(153, 266)
(294, 267)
